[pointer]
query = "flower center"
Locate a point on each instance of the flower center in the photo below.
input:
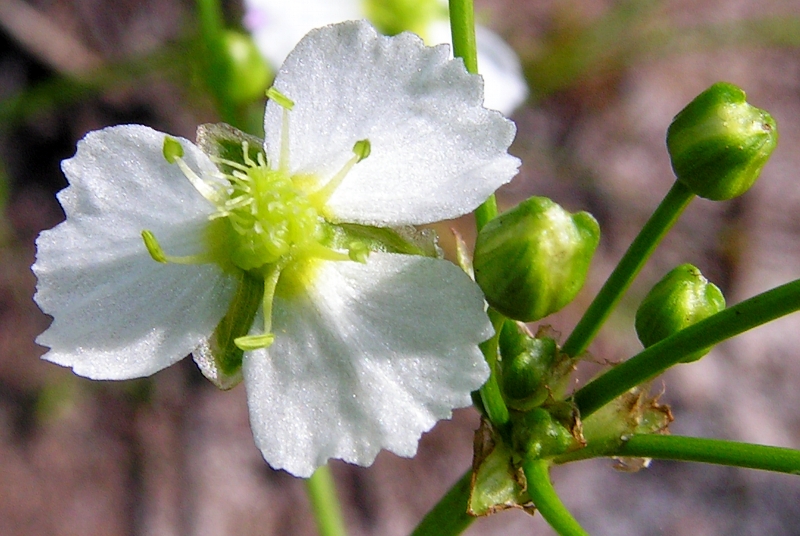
(272, 218)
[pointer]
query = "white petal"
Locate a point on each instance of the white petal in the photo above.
(277, 25)
(436, 152)
(369, 357)
(118, 313)
(504, 85)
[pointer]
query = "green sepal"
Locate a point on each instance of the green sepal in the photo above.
(223, 141)
(238, 321)
(497, 482)
(719, 143)
(683, 297)
(533, 259)
(406, 240)
(219, 358)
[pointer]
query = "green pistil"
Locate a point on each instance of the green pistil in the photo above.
(358, 252)
(272, 218)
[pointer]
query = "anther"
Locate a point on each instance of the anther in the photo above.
(157, 253)
(173, 153)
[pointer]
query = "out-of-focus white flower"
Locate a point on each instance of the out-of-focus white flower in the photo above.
(343, 351)
(277, 25)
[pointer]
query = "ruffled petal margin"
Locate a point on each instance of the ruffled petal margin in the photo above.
(504, 85)
(118, 314)
(367, 356)
(437, 153)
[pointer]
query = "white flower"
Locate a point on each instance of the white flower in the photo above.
(366, 355)
(277, 25)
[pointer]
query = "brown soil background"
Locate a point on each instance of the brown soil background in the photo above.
(171, 455)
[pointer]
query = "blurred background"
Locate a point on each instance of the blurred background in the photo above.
(171, 455)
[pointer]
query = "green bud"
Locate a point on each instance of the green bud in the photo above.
(526, 362)
(532, 260)
(682, 298)
(719, 143)
(391, 17)
(538, 435)
(248, 73)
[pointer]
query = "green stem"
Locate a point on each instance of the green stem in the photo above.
(540, 490)
(491, 396)
(449, 517)
(662, 220)
(212, 25)
(717, 451)
(651, 362)
(325, 503)
(486, 212)
(462, 27)
(210, 14)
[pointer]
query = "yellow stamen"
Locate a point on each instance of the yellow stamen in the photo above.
(361, 150)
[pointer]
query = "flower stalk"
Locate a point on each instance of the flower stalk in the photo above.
(449, 517)
(325, 503)
(211, 30)
(548, 503)
(716, 451)
(651, 362)
(692, 449)
(462, 26)
(662, 220)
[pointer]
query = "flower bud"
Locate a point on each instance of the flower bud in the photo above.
(682, 298)
(248, 73)
(719, 143)
(532, 260)
(526, 362)
(538, 435)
